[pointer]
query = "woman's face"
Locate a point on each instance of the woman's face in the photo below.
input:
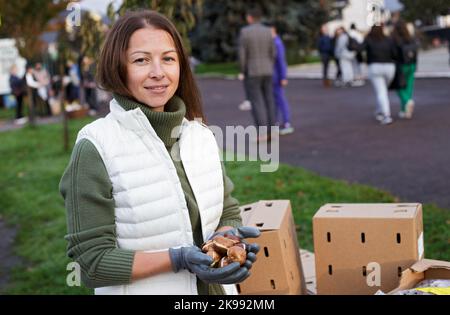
(153, 68)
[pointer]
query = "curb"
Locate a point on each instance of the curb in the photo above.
(318, 76)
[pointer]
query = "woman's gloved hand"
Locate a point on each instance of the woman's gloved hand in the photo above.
(244, 232)
(192, 259)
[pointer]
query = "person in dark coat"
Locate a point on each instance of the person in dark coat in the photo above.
(18, 89)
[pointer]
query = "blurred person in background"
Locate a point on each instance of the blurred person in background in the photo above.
(346, 56)
(18, 89)
(280, 81)
(407, 59)
(381, 55)
(256, 60)
(357, 36)
(89, 85)
(73, 82)
(325, 48)
(33, 84)
(43, 78)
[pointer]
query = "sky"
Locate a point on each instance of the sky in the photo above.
(99, 5)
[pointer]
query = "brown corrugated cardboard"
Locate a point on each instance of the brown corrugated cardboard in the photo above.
(363, 248)
(424, 269)
(278, 268)
(309, 271)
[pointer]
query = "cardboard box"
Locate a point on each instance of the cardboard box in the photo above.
(363, 248)
(278, 269)
(424, 269)
(309, 271)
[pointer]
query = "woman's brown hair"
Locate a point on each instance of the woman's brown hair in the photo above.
(113, 58)
(376, 33)
(401, 33)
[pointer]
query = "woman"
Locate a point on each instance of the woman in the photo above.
(345, 56)
(325, 48)
(145, 186)
(279, 82)
(381, 57)
(18, 88)
(407, 59)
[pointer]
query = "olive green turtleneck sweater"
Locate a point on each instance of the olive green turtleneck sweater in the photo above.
(87, 190)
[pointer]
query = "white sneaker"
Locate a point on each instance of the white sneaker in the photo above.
(386, 121)
(402, 115)
(245, 105)
(286, 130)
(21, 121)
(357, 83)
(379, 116)
(409, 109)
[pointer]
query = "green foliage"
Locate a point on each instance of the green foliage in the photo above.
(215, 38)
(181, 12)
(425, 11)
(25, 20)
(83, 40)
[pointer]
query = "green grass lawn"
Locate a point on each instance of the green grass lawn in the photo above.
(7, 113)
(32, 162)
(232, 68)
(10, 113)
(226, 68)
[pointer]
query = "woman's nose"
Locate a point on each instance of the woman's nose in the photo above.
(156, 71)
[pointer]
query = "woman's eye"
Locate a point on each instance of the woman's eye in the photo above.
(139, 60)
(169, 59)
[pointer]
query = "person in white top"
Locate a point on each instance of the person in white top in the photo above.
(357, 61)
(344, 55)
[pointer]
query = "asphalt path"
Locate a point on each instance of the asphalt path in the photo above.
(336, 135)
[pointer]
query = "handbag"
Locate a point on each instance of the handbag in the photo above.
(399, 81)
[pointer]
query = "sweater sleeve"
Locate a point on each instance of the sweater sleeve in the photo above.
(231, 215)
(87, 191)
(281, 60)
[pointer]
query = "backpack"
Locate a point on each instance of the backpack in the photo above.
(408, 52)
(352, 44)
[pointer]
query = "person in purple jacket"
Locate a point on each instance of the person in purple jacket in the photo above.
(279, 79)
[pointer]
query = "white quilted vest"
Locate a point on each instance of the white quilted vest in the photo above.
(150, 206)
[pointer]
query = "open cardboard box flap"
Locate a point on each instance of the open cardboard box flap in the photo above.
(425, 264)
(269, 215)
(421, 270)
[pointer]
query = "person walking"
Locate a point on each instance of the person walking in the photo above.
(280, 81)
(357, 38)
(407, 61)
(33, 85)
(325, 48)
(338, 78)
(345, 56)
(256, 61)
(89, 85)
(381, 55)
(43, 78)
(145, 187)
(18, 88)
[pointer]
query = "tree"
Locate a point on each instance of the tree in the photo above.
(181, 12)
(26, 20)
(83, 40)
(425, 11)
(215, 37)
